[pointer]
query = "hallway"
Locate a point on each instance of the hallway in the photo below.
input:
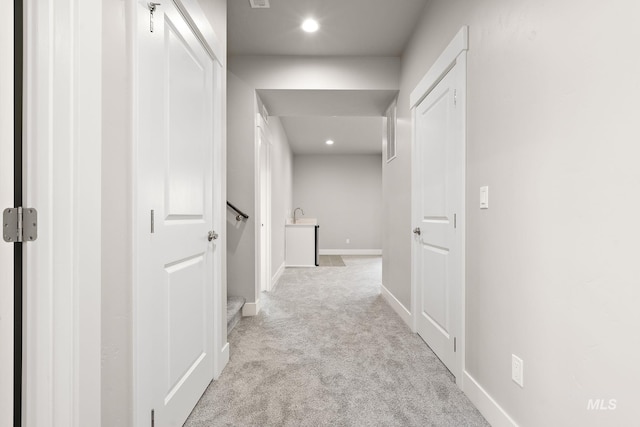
(326, 349)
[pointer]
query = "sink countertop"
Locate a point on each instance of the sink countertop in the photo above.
(303, 221)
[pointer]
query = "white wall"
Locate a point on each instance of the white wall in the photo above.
(6, 200)
(241, 236)
(289, 72)
(281, 190)
(345, 193)
(552, 267)
(116, 375)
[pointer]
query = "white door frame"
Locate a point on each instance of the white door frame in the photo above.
(6, 200)
(454, 54)
(263, 272)
(202, 28)
(62, 153)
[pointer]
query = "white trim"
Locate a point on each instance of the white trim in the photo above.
(202, 28)
(276, 277)
(251, 308)
(397, 306)
(6, 200)
(223, 358)
(63, 181)
(488, 407)
(351, 252)
(445, 61)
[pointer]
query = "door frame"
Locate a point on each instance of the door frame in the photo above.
(62, 159)
(7, 325)
(263, 205)
(199, 23)
(455, 54)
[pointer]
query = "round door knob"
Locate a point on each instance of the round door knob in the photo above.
(417, 231)
(212, 235)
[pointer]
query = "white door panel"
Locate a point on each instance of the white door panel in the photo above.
(439, 202)
(175, 261)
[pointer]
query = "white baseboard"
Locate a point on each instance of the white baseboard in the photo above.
(276, 277)
(251, 308)
(489, 408)
(397, 306)
(224, 359)
(350, 252)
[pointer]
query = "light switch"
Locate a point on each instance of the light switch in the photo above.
(484, 197)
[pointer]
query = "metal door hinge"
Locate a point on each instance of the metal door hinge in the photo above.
(19, 225)
(455, 97)
(153, 418)
(455, 347)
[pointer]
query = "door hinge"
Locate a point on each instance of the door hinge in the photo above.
(455, 221)
(153, 418)
(455, 97)
(455, 347)
(19, 225)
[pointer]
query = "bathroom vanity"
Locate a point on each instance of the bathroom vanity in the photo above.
(301, 243)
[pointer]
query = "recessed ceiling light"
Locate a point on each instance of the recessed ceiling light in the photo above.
(310, 25)
(329, 142)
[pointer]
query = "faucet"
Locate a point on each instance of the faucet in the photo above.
(294, 214)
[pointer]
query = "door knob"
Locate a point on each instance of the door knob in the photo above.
(417, 231)
(212, 235)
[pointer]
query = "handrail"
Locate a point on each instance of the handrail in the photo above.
(240, 215)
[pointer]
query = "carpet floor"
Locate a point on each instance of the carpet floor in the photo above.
(331, 261)
(327, 350)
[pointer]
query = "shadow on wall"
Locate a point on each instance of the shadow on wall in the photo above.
(235, 229)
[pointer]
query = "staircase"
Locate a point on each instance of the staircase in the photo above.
(234, 311)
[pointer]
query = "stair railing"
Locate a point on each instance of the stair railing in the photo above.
(239, 214)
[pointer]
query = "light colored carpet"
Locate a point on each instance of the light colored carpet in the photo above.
(331, 261)
(327, 350)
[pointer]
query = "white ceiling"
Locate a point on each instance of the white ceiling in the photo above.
(352, 135)
(347, 28)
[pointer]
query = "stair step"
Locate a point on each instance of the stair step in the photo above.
(234, 311)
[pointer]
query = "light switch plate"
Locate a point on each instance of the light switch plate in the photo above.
(517, 370)
(484, 197)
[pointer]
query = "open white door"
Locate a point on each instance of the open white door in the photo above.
(438, 205)
(177, 245)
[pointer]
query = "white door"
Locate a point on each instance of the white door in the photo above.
(438, 215)
(175, 330)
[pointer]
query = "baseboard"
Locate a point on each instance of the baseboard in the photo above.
(251, 308)
(276, 277)
(489, 408)
(224, 359)
(350, 252)
(397, 306)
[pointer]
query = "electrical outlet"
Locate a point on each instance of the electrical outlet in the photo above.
(348, 240)
(517, 370)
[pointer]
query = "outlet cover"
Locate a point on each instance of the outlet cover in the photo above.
(517, 370)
